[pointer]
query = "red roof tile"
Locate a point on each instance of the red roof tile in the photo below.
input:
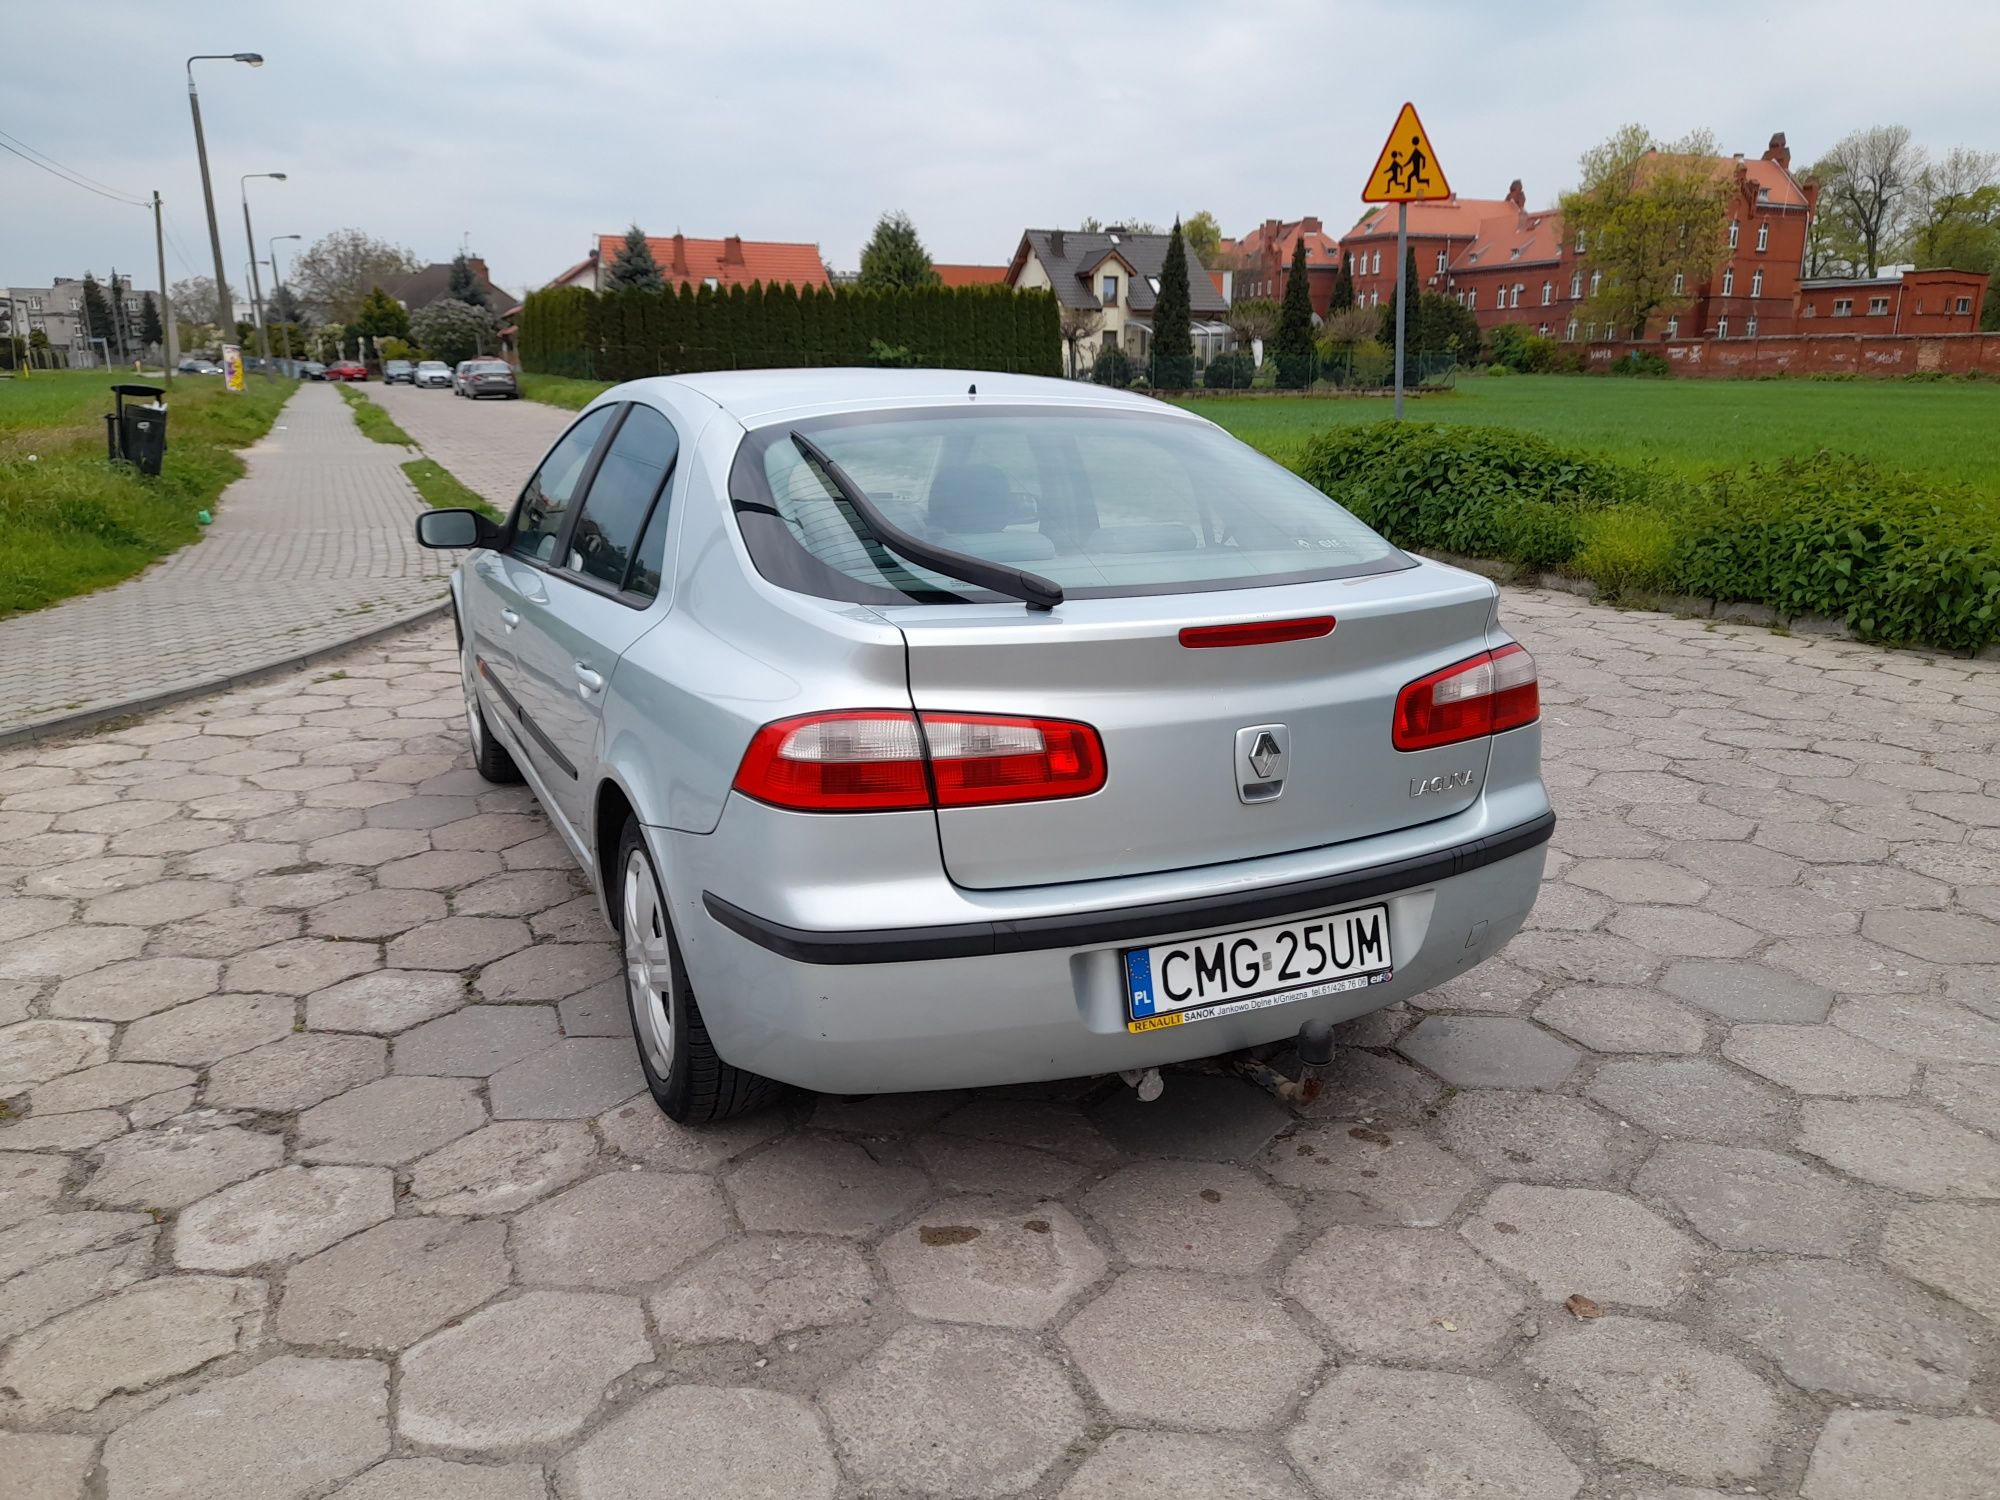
(731, 262)
(1460, 218)
(965, 275)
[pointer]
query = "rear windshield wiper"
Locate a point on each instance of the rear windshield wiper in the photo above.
(1031, 589)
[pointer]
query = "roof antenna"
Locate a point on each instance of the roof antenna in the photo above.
(972, 390)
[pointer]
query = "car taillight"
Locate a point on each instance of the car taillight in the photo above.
(1256, 632)
(869, 760)
(1482, 695)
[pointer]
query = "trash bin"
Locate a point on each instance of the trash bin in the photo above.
(137, 433)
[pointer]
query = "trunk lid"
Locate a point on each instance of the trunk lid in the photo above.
(1170, 718)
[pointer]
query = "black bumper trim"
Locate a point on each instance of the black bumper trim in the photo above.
(1091, 929)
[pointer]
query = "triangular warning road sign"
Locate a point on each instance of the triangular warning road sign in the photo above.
(1407, 170)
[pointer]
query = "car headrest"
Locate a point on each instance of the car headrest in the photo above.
(970, 498)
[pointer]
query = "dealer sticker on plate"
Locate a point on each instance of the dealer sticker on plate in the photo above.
(1197, 979)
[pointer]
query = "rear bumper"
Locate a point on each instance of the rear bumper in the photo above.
(1040, 997)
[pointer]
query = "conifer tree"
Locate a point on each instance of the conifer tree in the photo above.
(465, 286)
(1295, 323)
(1173, 337)
(894, 257)
(633, 267)
(151, 331)
(1343, 286)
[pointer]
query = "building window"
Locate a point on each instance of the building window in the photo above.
(1378, 262)
(1596, 281)
(1877, 306)
(1579, 242)
(1441, 262)
(1548, 293)
(1471, 300)
(1756, 283)
(1729, 281)
(1575, 285)
(1963, 305)
(1570, 332)
(1680, 283)
(34, 304)
(1843, 307)
(1111, 291)
(1722, 328)
(712, 283)
(1542, 329)
(1750, 328)
(1811, 310)
(1735, 232)
(1763, 236)
(73, 304)
(1673, 328)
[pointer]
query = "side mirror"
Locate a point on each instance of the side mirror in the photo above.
(455, 528)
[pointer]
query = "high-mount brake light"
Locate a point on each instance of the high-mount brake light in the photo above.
(1256, 632)
(1482, 695)
(878, 760)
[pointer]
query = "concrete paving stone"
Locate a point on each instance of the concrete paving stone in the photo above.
(45, 850)
(821, 1186)
(1530, 1137)
(1901, 1146)
(36, 1051)
(402, 811)
(971, 1260)
(46, 1465)
(95, 877)
(1592, 957)
(301, 966)
(1954, 1247)
(134, 988)
(385, 1001)
(205, 1031)
(521, 894)
(1645, 881)
(171, 1167)
(579, 920)
(129, 1341)
(375, 914)
(303, 825)
(1041, 1124)
(300, 889)
(158, 1109)
(1818, 1060)
(1744, 1198)
(1375, 1028)
(1407, 1296)
(967, 1164)
(1494, 985)
(1199, 1115)
(242, 1435)
(1191, 1216)
(281, 1216)
(502, 1167)
(106, 1086)
(477, 1041)
(976, 1412)
(116, 817)
(1652, 1395)
(490, 831)
(601, 1010)
(35, 1296)
(1610, 1019)
(1851, 965)
(25, 916)
(15, 997)
(1852, 1331)
(1191, 1351)
(1864, 1455)
(1679, 931)
(58, 1236)
(1489, 1052)
(547, 971)
(1968, 1093)
(1785, 913)
(1859, 888)
(225, 934)
(458, 943)
(1932, 1031)
(638, 1130)
(521, 1373)
(1425, 1435)
(1371, 1085)
(390, 1285)
(570, 1080)
(1365, 1175)
(754, 1287)
(436, 1479)
(162, 901)
(1570, 1241)
(295, 1072)
(760, 1445)
(438, 870)
(1691, 1098)
(1746, 991)
(1131, 1465)
(882, 1116)
(390, 1121)
(619, 1229)
(1938, 936)
(69, 1132)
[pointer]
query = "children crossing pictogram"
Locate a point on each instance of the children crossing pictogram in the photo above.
(1407, 170)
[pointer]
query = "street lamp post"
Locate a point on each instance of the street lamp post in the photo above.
(225, 314)
(277, 286)
(256, 291)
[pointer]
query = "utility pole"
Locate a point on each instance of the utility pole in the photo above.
(167, 351)
(256, 290)
(277, 289)
(225, 314)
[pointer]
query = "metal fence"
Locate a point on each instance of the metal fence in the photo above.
(1366, 370)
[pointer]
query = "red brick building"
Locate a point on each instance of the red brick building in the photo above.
(1263, 261)
(1901, 301)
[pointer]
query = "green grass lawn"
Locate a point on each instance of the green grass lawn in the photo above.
(561, 390)
(373, 420)
(1946, 428)
(70, 522)
(442, 489)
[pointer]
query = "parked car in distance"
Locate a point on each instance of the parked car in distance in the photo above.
(432, 372)
(458, 376)
(489, 377)
(924, 729)
(206, 367)
(312, 369)
(399, 370)
(347, 369)
(187, 366)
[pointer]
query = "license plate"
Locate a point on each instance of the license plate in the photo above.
(1197, 979)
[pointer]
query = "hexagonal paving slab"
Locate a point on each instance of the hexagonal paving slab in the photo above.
(1412, 1296)
(1193, 1216)
(966, 1260)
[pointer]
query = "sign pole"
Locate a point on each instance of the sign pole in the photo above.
(1402, 294)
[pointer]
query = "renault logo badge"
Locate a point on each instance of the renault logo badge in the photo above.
(1262, 754)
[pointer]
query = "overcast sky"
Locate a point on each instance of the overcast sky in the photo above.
(525, 128)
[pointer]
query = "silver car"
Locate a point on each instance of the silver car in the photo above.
(928, 729)
(433, 373)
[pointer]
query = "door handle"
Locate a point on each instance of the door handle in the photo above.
(587, 681)
(509, 618)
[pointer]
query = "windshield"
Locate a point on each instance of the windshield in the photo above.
(1104, 503)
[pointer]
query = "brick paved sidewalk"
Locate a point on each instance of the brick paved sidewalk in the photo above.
(309, 549)
(489, 446)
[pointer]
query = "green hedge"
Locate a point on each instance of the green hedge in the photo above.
(624, 335)
(1901, 558)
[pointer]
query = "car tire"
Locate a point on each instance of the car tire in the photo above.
(489, 757)
(685, 1075)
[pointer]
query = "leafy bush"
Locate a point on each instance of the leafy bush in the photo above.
(1641, 362)
(1112, 367)
(1517, 347)
(1230, 372)
(1628, 549)
(452, 330)
(1497, 369)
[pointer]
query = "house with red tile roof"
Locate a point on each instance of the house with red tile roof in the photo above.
(723, 263)
(1262, 261)
(955, 274)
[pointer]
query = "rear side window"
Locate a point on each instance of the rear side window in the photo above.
(544, 505)
(631, 478)
(1104, 503)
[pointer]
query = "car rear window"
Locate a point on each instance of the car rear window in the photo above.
(1104, 503)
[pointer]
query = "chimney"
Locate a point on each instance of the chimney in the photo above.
(478, 264)
(680, 254)
(1516, 195)
(1311, 226)
(1779, 152)
(1056, 247)
(732, 250)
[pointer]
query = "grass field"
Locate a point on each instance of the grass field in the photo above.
(69, 521)
(1947, 428)
(374, 421)
(442, 489)
(561, 390)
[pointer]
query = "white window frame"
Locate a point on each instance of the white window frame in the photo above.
(1749, 328)
(1548, 293)
(1472, 300)
(1673, 328)
(1680, 283)
(1962, 305)
(1757, 282)
(1377, 271)
(1729, 281)
(1843, 307)
(1596, 281)
(1518, 289)
(1764, 236)
(1107, 289)
(1569, 333)
(1722, 328)
(1878, 307)
(1735, 233)
(1579, 242)
(1575, 285)
(1443, 258)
